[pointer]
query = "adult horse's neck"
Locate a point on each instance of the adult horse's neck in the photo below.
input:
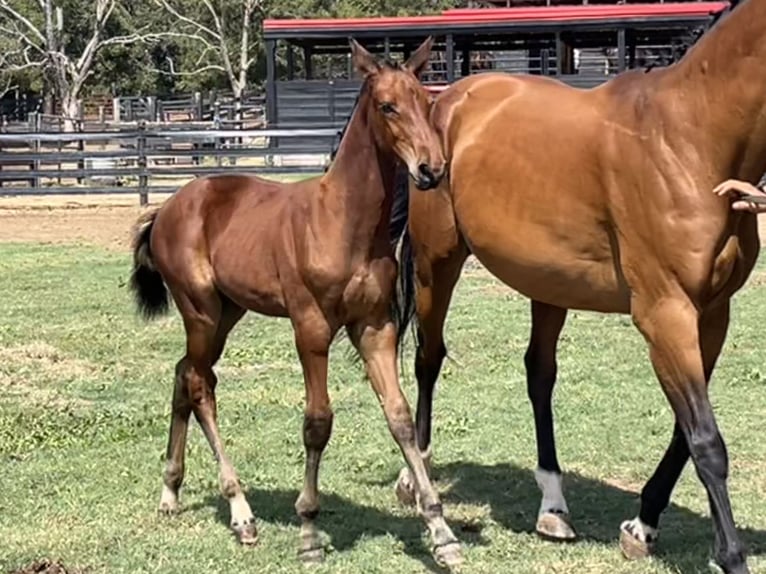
(358, 187)
(721, 82)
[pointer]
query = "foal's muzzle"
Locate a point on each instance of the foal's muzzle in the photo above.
(427, 178)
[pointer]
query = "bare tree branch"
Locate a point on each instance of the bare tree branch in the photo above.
(212, 35)
(14, 15)
(43, 46)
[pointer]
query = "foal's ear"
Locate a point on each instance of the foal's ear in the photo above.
(364, 62)
(419, 60)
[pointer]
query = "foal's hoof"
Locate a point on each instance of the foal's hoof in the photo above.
(555, 526)
(246, 532)
(448, 555)
(312, 556)
(168, 502)
(405, 488)
(633, 548)
(168, 508)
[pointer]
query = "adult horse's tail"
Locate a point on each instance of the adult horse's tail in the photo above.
(147, 284)
(403, 303)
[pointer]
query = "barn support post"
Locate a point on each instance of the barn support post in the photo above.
(308, 52)
(290, 62)
(621, 50)
(450, 57)
(465, 64)
(271, 83)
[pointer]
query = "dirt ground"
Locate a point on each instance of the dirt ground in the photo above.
(104, 220)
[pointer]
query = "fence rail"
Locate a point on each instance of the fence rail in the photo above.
(146, 159)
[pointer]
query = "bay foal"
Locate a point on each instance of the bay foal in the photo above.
(317, 252)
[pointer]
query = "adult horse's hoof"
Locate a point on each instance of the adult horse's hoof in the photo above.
(633, 548)
(405, 488)
(448, 555)
(555, 526)
(246, 532)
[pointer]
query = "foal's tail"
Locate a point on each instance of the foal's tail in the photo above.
(147, 284)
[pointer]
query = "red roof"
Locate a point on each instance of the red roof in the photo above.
(478, 16)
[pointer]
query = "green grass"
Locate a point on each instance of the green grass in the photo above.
(84, 412)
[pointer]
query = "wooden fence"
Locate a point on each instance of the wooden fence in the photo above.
(148, 158)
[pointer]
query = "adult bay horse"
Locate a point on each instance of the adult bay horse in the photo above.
(602, 200)
(316, 251)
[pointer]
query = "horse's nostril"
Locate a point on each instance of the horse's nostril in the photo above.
(425, 170)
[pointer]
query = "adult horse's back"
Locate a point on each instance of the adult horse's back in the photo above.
(318, 252)
(602, 200)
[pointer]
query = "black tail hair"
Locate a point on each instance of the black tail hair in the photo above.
(146, 283)
(403, 301)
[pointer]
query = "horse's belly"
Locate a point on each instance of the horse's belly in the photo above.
(573, 285)
(249, 280)
(566, 263)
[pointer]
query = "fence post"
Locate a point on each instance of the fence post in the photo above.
(217, 126)
(143, 179)
(3, 124)
(36, 121)
(197, 106)
(81, 149)
(116, 110)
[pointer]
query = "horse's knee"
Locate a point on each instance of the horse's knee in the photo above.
(317, 429)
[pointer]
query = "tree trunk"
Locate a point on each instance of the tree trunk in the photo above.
(70, 112)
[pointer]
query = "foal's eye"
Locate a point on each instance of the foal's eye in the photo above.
(387, 108)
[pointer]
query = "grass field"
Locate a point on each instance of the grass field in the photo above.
(84, 412)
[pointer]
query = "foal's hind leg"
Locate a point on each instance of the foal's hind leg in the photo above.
(540, 361)
(435, 282)
(208, 322)
(638, 537)
(377, 345)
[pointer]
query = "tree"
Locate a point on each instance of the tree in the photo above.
(63, 42)
(223, 37)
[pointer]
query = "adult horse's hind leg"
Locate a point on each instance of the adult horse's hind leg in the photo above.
(208, 321)
(435, 282)
(540, 361)
(671, 327)
(638, 537)
(376, 342)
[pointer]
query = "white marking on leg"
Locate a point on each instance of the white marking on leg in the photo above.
(168, 499)
(550, 484)
(640, 530)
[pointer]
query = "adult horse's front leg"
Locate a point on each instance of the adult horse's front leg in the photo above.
(376, 342)
(540, 361)
(638, 536)
(670, 325)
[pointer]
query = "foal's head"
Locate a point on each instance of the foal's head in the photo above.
(400, 113)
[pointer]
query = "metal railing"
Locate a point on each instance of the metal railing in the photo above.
(148, 159)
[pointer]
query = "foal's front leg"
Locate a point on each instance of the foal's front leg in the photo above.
(376, 342)
(312, 338)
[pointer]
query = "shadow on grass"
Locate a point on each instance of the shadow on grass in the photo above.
(597, 508)
(346, 521)
(512, 495)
